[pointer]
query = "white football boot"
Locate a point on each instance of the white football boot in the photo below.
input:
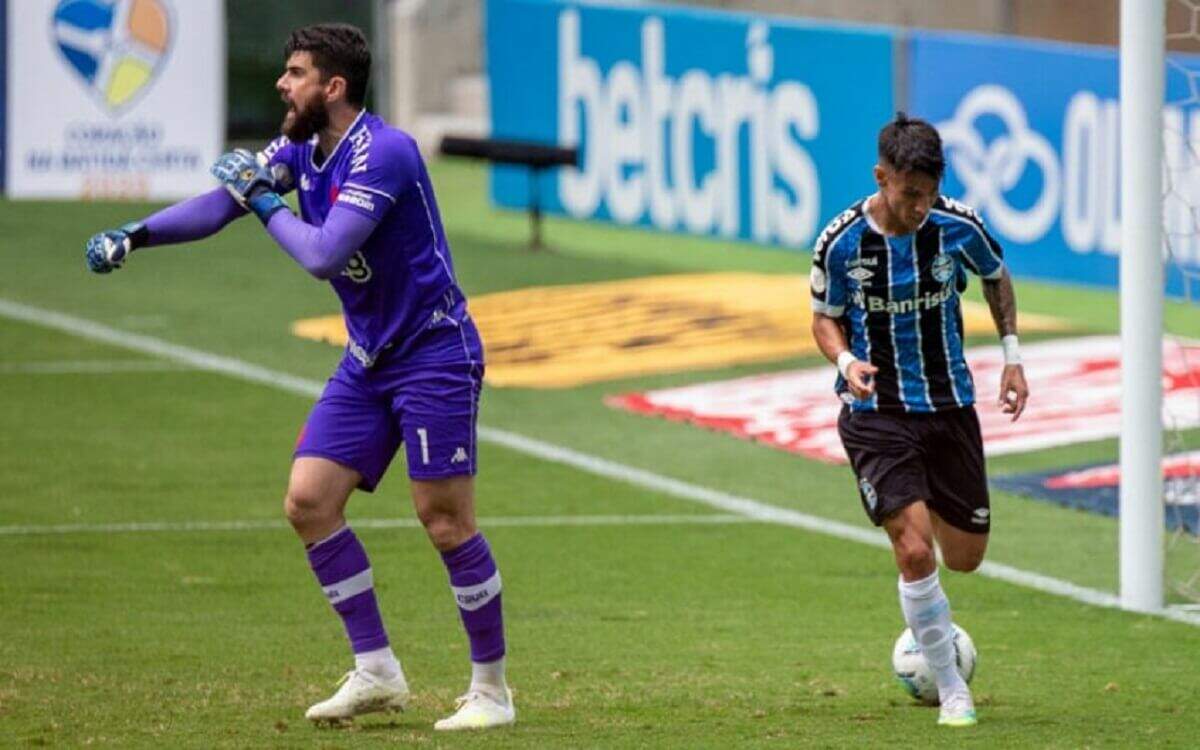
(360, 692)
(479, 710)
(958, 710)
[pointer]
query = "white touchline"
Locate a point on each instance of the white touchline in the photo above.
(746, 507)
(87, 366)
(371, 523)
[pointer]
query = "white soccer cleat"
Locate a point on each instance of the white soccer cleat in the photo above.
(958, 710)
(478, 710)
(360, 692)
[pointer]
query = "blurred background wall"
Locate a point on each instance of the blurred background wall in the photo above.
(430, 78)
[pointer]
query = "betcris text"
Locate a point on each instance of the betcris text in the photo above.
(685, 151)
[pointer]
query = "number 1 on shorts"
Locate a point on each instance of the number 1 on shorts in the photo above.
(423, 434)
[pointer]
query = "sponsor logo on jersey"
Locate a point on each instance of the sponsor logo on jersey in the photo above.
(274, 146)
(365, 358)
(860, 274)
(360, 142)
(305, 183)
(832, 228)
(926, 301)
(359, 198)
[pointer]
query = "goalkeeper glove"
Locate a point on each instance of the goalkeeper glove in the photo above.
(107, 251)
(250, 182)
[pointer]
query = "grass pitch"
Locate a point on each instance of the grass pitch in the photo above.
(636, 619)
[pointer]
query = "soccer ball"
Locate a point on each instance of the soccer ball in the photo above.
(914, 674)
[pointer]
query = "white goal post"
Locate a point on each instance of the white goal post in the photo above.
(1143, 61)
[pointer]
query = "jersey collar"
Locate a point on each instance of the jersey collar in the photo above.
(329, 157)
(866, 206)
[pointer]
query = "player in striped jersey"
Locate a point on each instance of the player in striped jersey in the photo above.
(886, 279)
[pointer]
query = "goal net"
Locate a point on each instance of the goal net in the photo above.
(1181, 318)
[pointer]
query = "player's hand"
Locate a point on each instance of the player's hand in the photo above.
(1014, 391)
(250, 181)
(107, 251)
(860, 378)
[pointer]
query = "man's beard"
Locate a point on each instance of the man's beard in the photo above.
(306, 122)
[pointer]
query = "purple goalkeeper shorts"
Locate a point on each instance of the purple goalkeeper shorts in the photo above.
(363, 416)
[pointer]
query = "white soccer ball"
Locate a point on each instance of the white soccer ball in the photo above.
(914, 674)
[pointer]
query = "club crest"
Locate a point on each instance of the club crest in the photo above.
(116, 48)
(868, 493)
(942, 268)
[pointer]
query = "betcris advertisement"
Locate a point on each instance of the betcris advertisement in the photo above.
(736, 126)
(1031, 132)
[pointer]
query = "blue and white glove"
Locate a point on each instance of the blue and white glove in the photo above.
(250, 182)
(107, 251)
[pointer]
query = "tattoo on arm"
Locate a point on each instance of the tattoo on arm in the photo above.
(1002, 301)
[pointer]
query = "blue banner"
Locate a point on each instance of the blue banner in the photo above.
(711, 123)
(1031, 131)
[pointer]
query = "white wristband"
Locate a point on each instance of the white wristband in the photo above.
(844, 360)
(1012, 349)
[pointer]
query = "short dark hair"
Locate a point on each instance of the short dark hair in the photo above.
(337, 49)
(909, 144)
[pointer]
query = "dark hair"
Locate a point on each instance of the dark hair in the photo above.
(337, 49)
(909, 144)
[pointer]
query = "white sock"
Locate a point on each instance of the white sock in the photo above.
(488, 677)
(381, 662)
(927, 612)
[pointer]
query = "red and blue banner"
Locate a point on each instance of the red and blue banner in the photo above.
(1097, 489)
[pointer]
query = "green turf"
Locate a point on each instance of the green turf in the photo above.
(685, 635)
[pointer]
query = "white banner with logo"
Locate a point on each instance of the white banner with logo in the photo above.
(114, 98)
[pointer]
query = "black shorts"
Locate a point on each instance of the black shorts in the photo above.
(902, 458)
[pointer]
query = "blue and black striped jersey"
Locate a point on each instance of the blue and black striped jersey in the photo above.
(897, 299)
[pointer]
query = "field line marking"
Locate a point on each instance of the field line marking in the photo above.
(373, 523)
(89, 366)
(723, 501)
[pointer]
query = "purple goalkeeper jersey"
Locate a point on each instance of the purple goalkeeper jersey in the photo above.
(401, 281)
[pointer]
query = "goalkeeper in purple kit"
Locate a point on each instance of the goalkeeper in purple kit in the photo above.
(369, 224)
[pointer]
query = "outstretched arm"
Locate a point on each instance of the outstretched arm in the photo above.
(1002, 301)
(192, 219)
(325, 250)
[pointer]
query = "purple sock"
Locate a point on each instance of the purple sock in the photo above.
(475, 582)
(344, 573)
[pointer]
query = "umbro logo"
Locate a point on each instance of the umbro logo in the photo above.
(860, 274)
(981, 515)
(460, 455)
